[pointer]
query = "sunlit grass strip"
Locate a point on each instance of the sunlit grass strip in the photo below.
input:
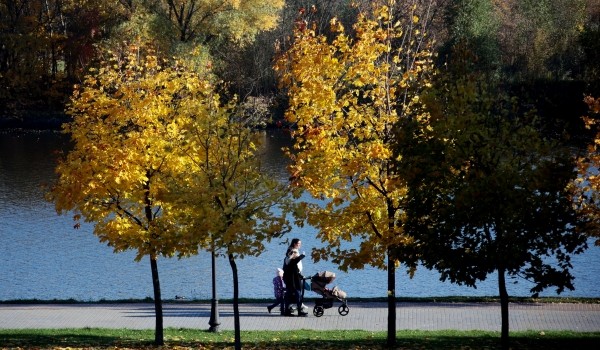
(94, 338)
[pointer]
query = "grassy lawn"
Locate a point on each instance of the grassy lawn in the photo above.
(301, 339)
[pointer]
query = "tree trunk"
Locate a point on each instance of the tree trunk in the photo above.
(158, 333)
(236, 309)
(503, 307)
(391, 333)
(214, 322)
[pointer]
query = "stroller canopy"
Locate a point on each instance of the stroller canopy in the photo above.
(324, 277)
(319, 282)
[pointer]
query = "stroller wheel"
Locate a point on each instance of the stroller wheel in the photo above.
(343, 309)
(318, 311)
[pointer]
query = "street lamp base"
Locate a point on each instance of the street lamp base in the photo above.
(214, 316)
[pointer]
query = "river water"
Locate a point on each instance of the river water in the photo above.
(43, 257)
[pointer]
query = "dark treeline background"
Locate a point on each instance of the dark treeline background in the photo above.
(546, 52)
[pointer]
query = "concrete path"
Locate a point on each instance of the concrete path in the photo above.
(370, 316)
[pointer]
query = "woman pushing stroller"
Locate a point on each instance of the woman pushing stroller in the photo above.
(292, 277)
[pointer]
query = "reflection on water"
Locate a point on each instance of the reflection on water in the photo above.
(43, 257)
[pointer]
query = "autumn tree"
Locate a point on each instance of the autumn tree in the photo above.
(491, 194)
(234, 206)
(345, 98)
(120, 174)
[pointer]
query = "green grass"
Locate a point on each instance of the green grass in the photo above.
(94, 338)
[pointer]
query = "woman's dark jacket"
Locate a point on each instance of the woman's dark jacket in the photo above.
(291, 274)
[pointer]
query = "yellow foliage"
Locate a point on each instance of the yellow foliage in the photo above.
(155, 154)
(127, 133)
(346, 97)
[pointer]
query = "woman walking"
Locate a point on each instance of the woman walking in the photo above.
(292, 277)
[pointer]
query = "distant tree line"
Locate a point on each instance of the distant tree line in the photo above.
(547, 50)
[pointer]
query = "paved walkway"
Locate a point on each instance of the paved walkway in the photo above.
(370, 316)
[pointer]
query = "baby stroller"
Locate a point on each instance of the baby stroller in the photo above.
(318, 285)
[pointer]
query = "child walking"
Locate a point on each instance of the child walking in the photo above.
(278, 291)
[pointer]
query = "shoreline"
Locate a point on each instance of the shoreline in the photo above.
(446, 299)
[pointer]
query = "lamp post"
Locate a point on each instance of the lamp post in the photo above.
(214, 304)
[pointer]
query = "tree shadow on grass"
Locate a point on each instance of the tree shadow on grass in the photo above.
(8, 340)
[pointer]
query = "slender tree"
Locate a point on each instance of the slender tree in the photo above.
(345, 98)
(492, 193)
(234, 205)
(120, 174)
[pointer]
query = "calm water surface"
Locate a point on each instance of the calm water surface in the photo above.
(43, 257)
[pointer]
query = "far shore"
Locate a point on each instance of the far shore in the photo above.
(34, 120)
